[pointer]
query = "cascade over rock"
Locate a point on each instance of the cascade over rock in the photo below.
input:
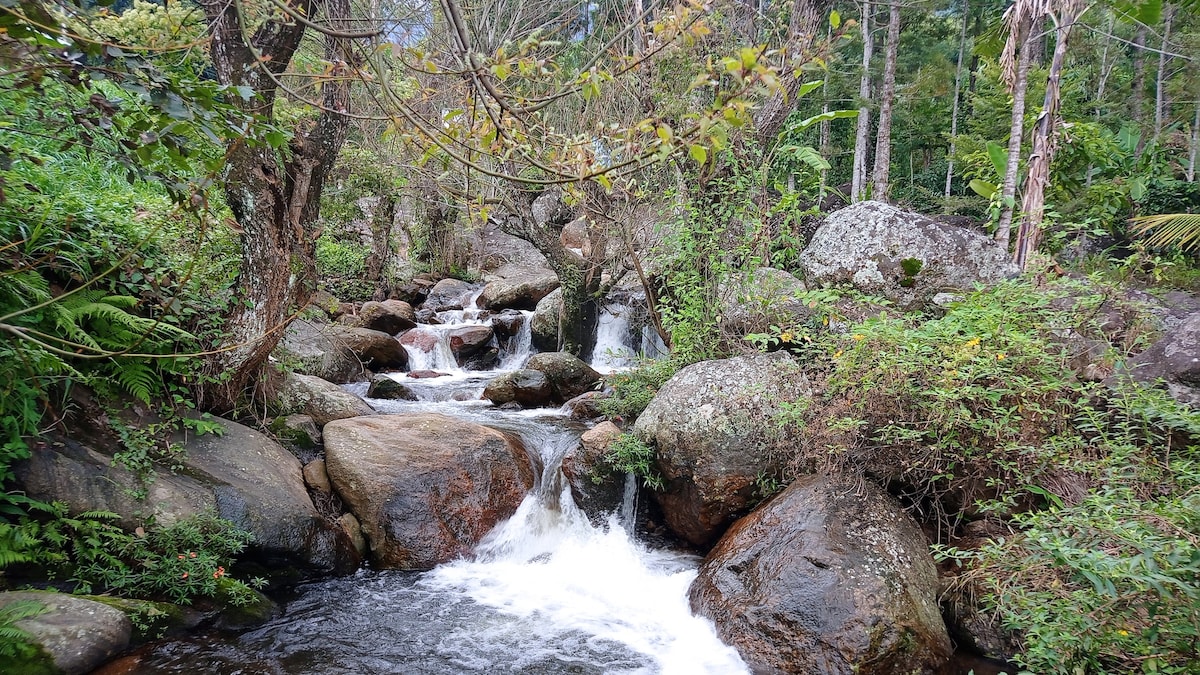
(546, 320)
(425, 487)
(710, 424)
(598, 489)
(905, 256)
(530, 388)
(825, 578)
(449, 294)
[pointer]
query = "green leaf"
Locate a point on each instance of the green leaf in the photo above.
(807, 87)
(821, 117)
(982, 188)
(275, 138)
(999, 156)
(835, 19)
(698, 153)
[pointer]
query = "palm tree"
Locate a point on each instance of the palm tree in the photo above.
(1180, 230)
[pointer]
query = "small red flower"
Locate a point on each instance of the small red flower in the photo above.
(192, 553)
(184, 575)
(181, 556)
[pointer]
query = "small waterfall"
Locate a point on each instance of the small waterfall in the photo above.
(440, 357)
(613, 351)
(516, 350)
(628, 512)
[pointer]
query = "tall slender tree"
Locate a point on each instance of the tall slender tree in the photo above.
(883, 136)
(1019, 19)
(858, 185)
(958, 78)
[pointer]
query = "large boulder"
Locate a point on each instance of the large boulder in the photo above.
(1173, 360)
(530, 388)
(904, 256)
(73, 635)
(316, 349)
(425, 487)
(766, 297)
(389, 316)
(544, 327)
(521, 292)
(377, 349)
(568, 375)
(826, 578)
(321, 400)
(449, 294)
(242, 475)
(711, 425)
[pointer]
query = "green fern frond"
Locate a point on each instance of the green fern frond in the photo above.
(138, 377)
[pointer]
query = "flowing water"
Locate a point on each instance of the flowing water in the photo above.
(546, 592)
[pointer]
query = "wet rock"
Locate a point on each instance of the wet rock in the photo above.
(521, 292)
(353, 529)
(904, 256)
(389, 316)
(586, 406)
(316, 349)
(74, 635)
(826, 577)
(711, 424)
(425, 374)
(544, 328)
(449, 294)
(316, 477)
(379, 350)
(488, 359)
(413, 292)
(530, 388)
(507, 324)
(383, 386)
(568, 375)
(427, 317)
(597, 488)
(420, 339)
(425, 487)
(468, 341)
(321, 400)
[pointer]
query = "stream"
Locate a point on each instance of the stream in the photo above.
(545, 592)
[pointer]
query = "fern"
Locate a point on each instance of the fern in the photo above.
(14, 642)
(138, 377)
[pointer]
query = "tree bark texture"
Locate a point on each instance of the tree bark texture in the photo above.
(1042, 150)
(883, 137)
(858, 185)
(1016, 127)
(1161, 102)
(803, 25)
(958, 77)
(274, 197)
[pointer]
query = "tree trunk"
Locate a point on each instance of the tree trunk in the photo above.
(1138, 108)
(1195, 146)
(274, 196)
(1042, 151)
(1008, 188)
(958, 76)
(1161, 103)
(863, 133)
(883, 138)
(805, 20)
(382, 218)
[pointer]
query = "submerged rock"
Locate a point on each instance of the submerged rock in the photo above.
(425, 487)
(826, 578)
(711, 424)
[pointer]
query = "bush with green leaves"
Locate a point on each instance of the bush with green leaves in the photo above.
(179, 563)
(628, 454)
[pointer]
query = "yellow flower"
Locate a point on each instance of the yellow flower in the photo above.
(1123, 632)
(785, 337)
(838, 354)
(1000, 356)
(972, 342)
(858, 337)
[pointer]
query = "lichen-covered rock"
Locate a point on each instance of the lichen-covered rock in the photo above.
(520, 292)
(321, 400)
(545, 321)
(389, 316)
(316, 349)
(767, 297)
(425, 487)
(905, 256)
(568, 375)
(826, 578)
(710, 425)
(75, 635)
(530, 388)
